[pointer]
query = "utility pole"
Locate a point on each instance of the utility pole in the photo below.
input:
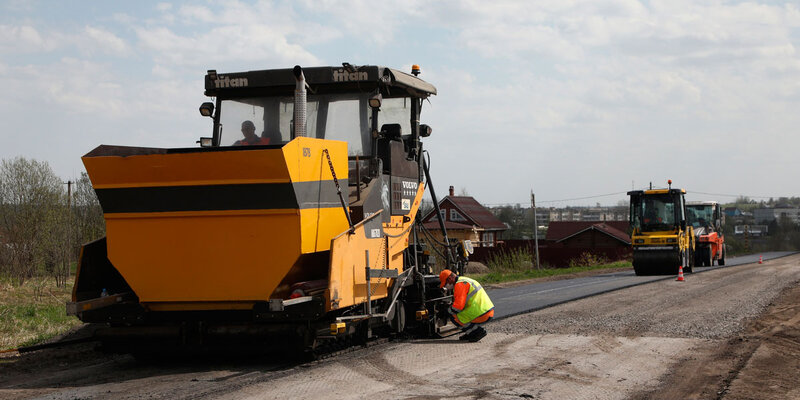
(535, 230)
(747, 238)
(69, 194)
(70, 232)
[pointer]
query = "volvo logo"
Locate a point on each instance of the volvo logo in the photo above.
(410, 185)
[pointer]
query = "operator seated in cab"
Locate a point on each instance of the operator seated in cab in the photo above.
(250, 137)
(471, 305)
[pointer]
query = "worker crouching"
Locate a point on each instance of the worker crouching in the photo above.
(471, 305)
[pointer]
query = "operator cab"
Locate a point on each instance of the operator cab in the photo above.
(657, 210)
(703, 214)
(376, 110)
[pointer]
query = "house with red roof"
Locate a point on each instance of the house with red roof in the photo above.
(465, 219)
(589, 234)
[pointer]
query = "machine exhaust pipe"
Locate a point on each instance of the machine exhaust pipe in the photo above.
(299, 103)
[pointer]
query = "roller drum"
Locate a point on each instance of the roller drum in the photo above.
(649, 262)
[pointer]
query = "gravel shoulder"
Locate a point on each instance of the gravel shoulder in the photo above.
(762, 362)
(730, 333)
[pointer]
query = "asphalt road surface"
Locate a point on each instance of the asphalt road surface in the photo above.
(536, 296)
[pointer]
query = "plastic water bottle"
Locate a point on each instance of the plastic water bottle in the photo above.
(104, 293)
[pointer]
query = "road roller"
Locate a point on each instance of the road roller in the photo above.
(661, 238)
(707, 219)
(292, 225)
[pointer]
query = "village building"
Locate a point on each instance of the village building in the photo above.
(589, 235)
(465, 219)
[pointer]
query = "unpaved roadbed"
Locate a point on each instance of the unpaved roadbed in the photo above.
(763, 362)
(704, 338)
(711, 305)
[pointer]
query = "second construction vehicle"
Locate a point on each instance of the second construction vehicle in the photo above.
(707, 219)
(662, 239)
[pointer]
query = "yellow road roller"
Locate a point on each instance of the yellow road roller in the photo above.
(293, 223)
(661, 238)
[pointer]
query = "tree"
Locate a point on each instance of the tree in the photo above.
(29, 197)
(55, 241)
(88, 222)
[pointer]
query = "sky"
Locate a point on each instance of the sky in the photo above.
(569, 99)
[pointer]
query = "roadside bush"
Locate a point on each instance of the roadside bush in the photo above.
(588, 260)
(511, 260)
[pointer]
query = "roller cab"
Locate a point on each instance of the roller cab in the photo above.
(297, 211)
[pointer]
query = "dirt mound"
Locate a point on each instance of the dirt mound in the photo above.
(474, 267)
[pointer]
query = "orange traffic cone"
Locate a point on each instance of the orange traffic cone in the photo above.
(760, 259)
(680, 274)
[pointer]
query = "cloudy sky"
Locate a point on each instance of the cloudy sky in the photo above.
(569, 98)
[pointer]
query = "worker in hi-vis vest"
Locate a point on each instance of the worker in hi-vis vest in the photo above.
(471, 305)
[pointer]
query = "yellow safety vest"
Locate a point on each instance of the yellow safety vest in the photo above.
(477, 304)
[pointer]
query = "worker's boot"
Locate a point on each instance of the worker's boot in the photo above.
(477, 335)
(468, 333)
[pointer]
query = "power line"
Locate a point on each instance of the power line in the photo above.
(563, 200)
(733, 195)
(688, 191)
(583, 198)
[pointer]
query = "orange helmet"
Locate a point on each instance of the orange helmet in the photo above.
(443, 277)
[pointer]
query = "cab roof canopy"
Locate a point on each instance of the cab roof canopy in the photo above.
(321, 80)
(656, 191)
(701, 203)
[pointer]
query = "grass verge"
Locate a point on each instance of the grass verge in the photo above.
(33, 312)
(518, 275)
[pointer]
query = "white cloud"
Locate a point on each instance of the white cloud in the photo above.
(364, 20)
(105, 41)
(162, 71)
(25, 39)
(197, 14)
(223, 45)
(123, 19)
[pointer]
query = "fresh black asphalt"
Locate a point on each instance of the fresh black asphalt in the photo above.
(535, 296)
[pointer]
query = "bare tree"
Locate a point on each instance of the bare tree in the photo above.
(28, 191)
(88, 219)
(55, 241)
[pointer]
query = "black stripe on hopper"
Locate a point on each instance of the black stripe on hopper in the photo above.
(257, 196)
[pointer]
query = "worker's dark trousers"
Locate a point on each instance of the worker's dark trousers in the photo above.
(470, 327)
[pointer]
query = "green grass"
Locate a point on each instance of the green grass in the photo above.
(522, 274)
(33, 312)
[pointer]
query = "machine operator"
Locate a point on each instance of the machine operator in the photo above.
(250, 137)
(471, 305)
